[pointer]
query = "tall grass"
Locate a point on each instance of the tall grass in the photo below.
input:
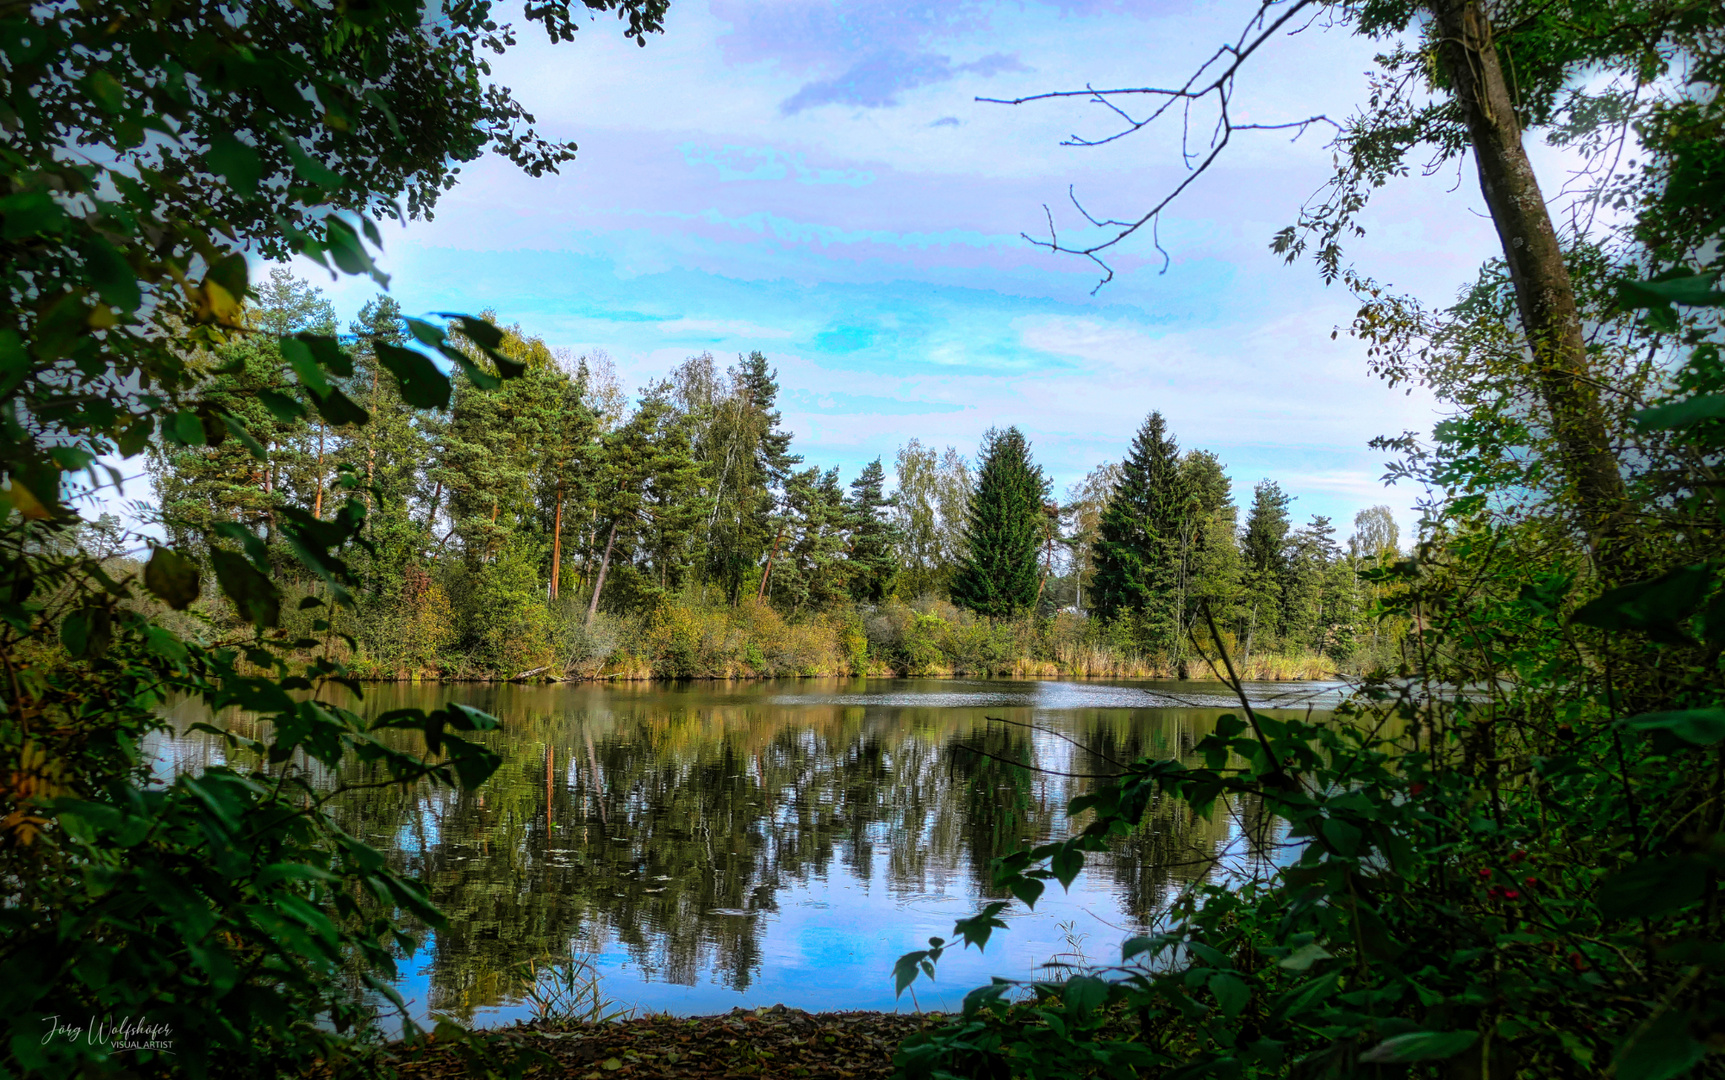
(926, 637)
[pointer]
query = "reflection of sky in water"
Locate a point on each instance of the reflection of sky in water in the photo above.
(719, 846)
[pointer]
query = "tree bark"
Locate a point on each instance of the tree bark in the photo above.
(761, 593)
(371, 444)
(317, 503)
(1543, 290)
(599, 583)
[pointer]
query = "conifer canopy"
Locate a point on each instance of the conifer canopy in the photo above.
(1137, 552)
(1004, 530)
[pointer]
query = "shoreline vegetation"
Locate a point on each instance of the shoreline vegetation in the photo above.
(555, 526)
(926, 638)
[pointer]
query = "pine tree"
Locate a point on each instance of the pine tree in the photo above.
(1138, 548)
(1001, 569)
(810, 570)
(198, 487)
(747, 459)
(674, 506)
(874, 536)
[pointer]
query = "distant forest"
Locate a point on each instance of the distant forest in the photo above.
(554, 525)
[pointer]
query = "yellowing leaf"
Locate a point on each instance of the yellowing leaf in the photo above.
(26, 502)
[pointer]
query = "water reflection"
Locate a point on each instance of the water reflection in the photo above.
(744, 845)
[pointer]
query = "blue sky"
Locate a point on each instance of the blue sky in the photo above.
(816, 180)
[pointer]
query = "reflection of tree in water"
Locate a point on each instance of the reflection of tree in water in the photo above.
(676, 816)
(999, 798)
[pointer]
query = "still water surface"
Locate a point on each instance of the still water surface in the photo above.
(717, 845)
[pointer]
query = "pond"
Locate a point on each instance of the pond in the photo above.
(713, 845)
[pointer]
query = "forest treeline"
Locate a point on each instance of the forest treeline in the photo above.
(557, 526)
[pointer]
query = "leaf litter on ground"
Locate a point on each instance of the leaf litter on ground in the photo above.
(774, 1041)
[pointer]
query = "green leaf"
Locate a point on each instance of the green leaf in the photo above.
(1701, 727)
(237, 428)
(348, 250)
(256, 598)
(1307, 996)
(1209, 954)
(329, 354)
(1083, 994)
(1652, 887)
(173, 578)
(238, 163)
(297, 352)
(311, 170)
(1697, 290)
(339, 409)
(1655, 606)
(185, 427)
(1665, 1050)
(422, 385)
(164, 643)
(75, 633)
(1026, 889)
(1231, 993)
(1420, 1046)
(480, 332)
(977, 929)
(489, 339)
(904, 972)
(231, 274)
(474, 764)
(285, 409)
(106, 91)
(115, 281)
(1681, 414)
(1139, 945)
(133, 440)
(30, 213)
(1341, 836)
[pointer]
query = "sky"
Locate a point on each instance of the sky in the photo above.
(817, 180)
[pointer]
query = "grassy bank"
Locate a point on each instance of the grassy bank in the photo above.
(927, 637)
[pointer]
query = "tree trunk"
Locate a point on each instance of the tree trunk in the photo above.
(1251, 625)
(557, 543)
(761, 593)
(317, 503)
(371, 444)
(599, 583)
(1543, 291)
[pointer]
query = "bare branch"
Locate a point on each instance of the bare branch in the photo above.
(1213, 80)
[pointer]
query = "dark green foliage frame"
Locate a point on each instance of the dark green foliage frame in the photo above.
(146, 151)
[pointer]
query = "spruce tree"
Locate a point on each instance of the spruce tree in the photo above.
(1264, 549)
(1138, 548)
(1000, 572)
(874, 536)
